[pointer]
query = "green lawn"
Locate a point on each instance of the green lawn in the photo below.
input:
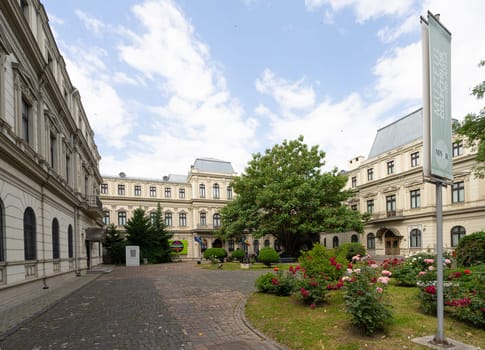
(287, 321)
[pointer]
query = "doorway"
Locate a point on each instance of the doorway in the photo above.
(392, 243)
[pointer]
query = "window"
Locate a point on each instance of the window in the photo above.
(354, 239)
(231, 245)
(203, 219)
(256, 246)
(153, 191)
(137, 190)
(229, 193)
(353, 207)
(414, 159)
(2, 234)
(106, 217)
(55, 239)
(215, 191)
(53, 154)
(121, 190)
(181, 192)
(391, 205)
(267, 243)
(153, 217)
(370, 174)
(458, 192)
(182, 219)
(104, 188)
(121, 218)
(457, 148)
(26, 121)
(415, 238)
(216, 219)
(415, 199)
(168, 219)
(168, 192)
(390, 167)
(370, 206)
(371, 241)
(70, 242)
(335, 242)
(30, 244)
(68, 166)
(202, 191)
(277, 245)
(457, 233)
(354, 181)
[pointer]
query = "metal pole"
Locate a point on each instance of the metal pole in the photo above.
(440, 337)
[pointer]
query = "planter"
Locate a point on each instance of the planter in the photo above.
(245, 266)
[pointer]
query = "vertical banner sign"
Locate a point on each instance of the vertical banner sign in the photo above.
(440, 99)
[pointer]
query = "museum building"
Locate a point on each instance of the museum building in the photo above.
(389, 185)
(50, 212)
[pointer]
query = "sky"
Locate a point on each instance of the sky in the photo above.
(164, 82)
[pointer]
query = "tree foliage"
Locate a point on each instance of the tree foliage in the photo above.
(151, 238)
(473, 127)
(284, 192)
(115, 243)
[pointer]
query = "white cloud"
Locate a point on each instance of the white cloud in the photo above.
(289, 96)
(388, 35)
(91, 23)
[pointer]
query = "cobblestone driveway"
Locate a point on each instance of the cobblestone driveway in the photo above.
(171, 306)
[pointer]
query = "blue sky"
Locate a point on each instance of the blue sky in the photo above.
(165, 82)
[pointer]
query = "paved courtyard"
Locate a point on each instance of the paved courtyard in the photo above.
(171, 306)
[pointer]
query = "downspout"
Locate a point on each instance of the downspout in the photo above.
(76, 243)
(42, 200)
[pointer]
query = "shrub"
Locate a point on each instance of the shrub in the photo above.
(471, 250)
(280, 283)
(268, 256)
(317, 261)
(348, 250)
(406, 272)
(214, 254)
(238, 255)
(364, 291)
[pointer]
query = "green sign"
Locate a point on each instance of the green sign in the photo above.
(440, 99)
(179, 246)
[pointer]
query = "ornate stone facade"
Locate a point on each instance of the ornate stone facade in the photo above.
(49, 178)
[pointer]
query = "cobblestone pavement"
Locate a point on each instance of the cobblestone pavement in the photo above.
(171, 306)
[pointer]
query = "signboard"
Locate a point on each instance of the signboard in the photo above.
(437, 100)
(179, 246)
(132, 255)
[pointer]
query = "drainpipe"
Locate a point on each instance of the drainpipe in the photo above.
(42, 200)
(76, 243)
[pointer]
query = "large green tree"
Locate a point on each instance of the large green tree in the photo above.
(151, 238)
(285, 192)
(473, 127)
(115, 243)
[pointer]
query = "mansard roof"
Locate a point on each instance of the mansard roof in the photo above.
(212, 165)
(401, 132)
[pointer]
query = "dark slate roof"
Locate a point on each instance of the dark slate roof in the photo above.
(212, 165)
(403, 131)
(177, 178)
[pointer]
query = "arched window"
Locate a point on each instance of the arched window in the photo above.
(168, 219)
(229, 192)
(55, 239)
(182, 219)
(231, 245)
(70, 242)
(216, 219)
(266, 243)
(216, 191)
(203, 219)
(354, 239)
(415, 238)
(335, 242)
(256, 246)
(2, 233)
(202, 191)
(325, 242)
(457, 233)
(277, 245)
(30, 244)
(371, 241)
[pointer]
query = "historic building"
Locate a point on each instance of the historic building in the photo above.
(389, 187)
(190, 204)
(50, 213)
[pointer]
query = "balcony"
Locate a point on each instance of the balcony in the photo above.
(392, 215)
(207, 227)
(94, 207)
